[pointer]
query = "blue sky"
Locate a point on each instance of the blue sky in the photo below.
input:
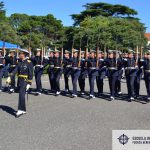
(61, 9)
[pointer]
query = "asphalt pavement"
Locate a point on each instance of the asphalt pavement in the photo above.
(62, 123)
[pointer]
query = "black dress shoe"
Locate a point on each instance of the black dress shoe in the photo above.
(91, 97)
(73, 96)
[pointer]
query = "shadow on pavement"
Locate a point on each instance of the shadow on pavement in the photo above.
(8, 110)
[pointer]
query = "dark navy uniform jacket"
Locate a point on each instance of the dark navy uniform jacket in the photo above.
(84, 71)
(57, 62)
(75, 69)
(102, 68)
(12, 61)
(129, 65)
(146, 67)
(51, 64)
(91, 65)
(74, 62)
(67, 66)
(37, 60)
(113, 66)
(24, 69)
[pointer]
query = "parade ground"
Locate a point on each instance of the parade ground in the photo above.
(62, 123)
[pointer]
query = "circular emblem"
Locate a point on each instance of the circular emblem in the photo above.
(123, 139)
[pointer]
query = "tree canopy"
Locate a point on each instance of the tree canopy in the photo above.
(103, 9)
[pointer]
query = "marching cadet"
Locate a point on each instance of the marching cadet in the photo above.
(120, 71)
(112, 63)
(51, 70)
(57, 71)
(67, 69)
(130, 73)
(75, 73)
(101, 73)
(83, 73)
(92, 72)
(146, 68)
(138, 75)
(38, 70)
(24, 69)
(12, 60)
(2, 62)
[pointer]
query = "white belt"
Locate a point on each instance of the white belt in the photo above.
(130, 68)
(112, 68)
(92, 68)
(12, 65)
(51, 65)
(74, 67)
(57, 67)
(68, 66)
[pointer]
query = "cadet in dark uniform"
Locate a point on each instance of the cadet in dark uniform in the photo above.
(120, 72)
(13, 61)
(24, 69)
(83, 73)
(67, 69)
(57, 71)
(38, 70)
(51, 70)
(112, 63)
(75, 73)
(138, 77)
(92, 72)
(130, 72)
(2, 62)
(146, 67)
(101, 74)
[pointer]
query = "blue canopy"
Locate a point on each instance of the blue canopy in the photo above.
(8, 45)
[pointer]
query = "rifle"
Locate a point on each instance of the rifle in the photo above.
(117, 56)
(137, 54)
(4, 50)
(86, 56)
(62, 55)
(42, 55)
(79, 58)
(72, 52)
(105, 54)
(17, 52)
(97, 58)
(29, 50)
(141, 52)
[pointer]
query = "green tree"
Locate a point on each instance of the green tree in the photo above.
(103, 9)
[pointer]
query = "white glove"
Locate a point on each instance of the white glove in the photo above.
(8, 80)
(28, 87)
